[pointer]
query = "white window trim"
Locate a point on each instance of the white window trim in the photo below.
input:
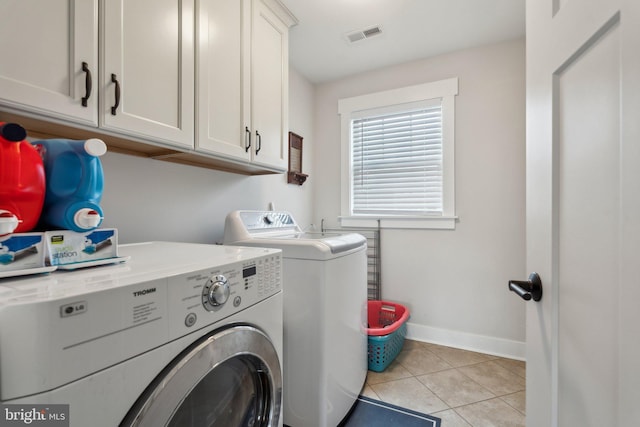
(348, 107)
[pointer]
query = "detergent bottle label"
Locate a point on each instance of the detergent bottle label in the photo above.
(69, 247)
(22, 251)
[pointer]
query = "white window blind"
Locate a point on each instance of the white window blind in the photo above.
(397, 157)
(397, 165)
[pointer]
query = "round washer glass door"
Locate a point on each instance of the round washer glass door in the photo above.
(229, 378)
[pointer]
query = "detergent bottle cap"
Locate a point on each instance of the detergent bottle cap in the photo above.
(87, 219)
(8, 222)
(13, 132)
(95, 147)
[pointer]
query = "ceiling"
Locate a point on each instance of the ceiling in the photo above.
(410, 30)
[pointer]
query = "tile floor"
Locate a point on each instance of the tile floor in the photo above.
(461, 387)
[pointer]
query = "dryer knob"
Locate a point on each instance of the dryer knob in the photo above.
(218, 291)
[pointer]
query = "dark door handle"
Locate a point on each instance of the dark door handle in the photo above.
(527, 289)
(114, 79)
(87, 83)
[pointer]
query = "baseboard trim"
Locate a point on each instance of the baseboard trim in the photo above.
(479, 343)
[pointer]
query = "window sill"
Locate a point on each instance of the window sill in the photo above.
(405, 222)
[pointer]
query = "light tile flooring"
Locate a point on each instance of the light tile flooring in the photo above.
(461, 387)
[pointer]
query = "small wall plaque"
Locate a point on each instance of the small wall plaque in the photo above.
(295, 175)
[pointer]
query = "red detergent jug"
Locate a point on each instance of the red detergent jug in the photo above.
(22, 181)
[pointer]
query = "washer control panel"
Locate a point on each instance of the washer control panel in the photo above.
(205, 296)
(256, 221)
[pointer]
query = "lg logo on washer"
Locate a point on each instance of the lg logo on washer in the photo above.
(144, 292)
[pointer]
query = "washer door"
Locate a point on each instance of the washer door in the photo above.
(228, 378)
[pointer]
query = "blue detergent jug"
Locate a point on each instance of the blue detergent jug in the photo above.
(74, 183)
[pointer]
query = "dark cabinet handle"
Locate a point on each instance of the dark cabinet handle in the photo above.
(88, 84)
(258, 142)
(247, 139)
(114, 79)
(527, 289)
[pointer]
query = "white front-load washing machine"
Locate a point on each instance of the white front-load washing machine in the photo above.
(180, 335)
(325, 313)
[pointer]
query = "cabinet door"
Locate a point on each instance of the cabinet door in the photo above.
(222, 78)
(43, 45)
(269, 86)
(148, 69)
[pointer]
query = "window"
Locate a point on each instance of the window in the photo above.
(397, 157)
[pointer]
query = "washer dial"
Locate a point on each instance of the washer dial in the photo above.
(215, 293)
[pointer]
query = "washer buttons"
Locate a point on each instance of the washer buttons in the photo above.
(190, 320)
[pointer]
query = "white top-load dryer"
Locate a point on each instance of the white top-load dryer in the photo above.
(325, 310)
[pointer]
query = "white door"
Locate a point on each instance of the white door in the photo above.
(49, 54)
(148, 69)
(269, 87)
(583, 212)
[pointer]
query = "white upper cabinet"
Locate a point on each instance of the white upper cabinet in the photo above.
(133, 70)
(53, 65)
(147, 69)
(49, 64)
(222, 78)
(269, 87)
(242, 81)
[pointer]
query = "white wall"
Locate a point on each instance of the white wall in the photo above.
(153, 200)
(454, 282)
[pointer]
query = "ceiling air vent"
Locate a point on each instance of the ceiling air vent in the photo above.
(355, 36)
